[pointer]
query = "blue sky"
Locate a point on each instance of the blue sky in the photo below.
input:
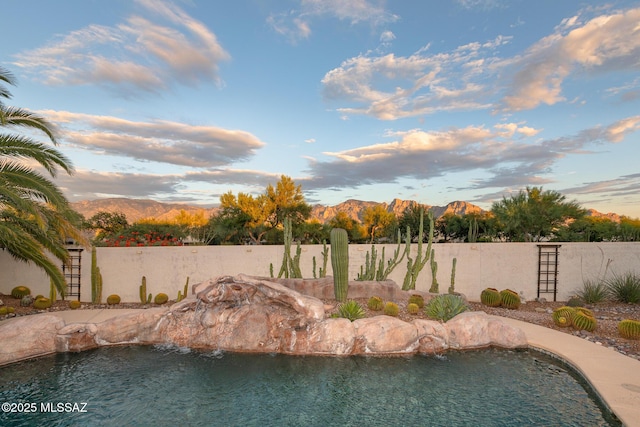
(433, 101)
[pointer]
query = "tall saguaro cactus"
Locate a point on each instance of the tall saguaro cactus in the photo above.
(340, 263)
(96, 278)
(414, 266)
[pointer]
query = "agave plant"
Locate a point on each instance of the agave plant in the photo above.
(445, 307)
(351, 310)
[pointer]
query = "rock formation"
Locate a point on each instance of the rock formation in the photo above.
(246, 314)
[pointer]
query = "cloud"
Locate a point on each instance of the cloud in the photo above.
(296, 24)
(158, 140)
(505, 153)
(474, 77)
(137, 55)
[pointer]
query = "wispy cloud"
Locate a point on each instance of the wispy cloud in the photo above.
(296, 24)
(137, 55)
(158, 140)
(505, 152)
(474, 76)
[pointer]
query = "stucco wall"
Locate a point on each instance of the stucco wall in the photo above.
(498, 265)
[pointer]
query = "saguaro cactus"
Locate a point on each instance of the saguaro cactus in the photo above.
(96, 278)
(340, 263)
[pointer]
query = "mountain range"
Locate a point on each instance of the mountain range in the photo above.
(137, 209)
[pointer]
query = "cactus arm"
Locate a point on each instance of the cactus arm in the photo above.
(453, 276)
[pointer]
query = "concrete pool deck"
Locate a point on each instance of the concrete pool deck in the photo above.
(614, 377)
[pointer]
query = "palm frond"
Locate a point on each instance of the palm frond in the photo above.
(18, 146)
(14, 116)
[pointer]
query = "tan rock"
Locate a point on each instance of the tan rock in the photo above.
(384, 335)
(432, 336)
(28, 336)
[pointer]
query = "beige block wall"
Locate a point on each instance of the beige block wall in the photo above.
(498, 265)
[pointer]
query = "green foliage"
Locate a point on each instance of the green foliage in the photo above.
(113, 299)
(351, 310)
(26, 301)
(391, 309)
(381, 272)
(375, 303)
(491, 297)
(415, 266)
(510, 299)
(445, 307)
(416, 299)
(629, 329)
(42, 303)
(584, 320)
(4, 311)
(184, 293)
(413, 308)
(74, 304)
(340, 263)
(378, 222)
(625, 287)
(534, 214)
(19, 291)
(290, 265)
(143, 291)
(161, 298)
(96, 278)
(563, 316)
(593, 292)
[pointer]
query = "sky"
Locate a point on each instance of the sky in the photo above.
(426, 100)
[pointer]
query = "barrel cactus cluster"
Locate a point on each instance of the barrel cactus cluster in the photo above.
(629, 329)
(580, 318)
(506, 298)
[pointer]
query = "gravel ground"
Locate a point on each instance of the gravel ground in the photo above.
(606, 333)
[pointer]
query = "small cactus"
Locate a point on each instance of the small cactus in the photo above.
(417, 300)
(491, 297)
(413, 308)
(510, 299)
(113, 299)
(629, 329)
(583, 321)
(19, 291)
(391, 309)
(161, 298)
(74, 304)
(4, 311)
(26, 301)
(42, 303)
(375, 303)
(563, 316)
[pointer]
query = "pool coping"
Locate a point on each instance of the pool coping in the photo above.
(615, 378)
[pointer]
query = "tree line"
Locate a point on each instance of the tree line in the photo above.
(532, 215)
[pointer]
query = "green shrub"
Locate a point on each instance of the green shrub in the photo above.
(445, 307)
(593, 292)
(42, 303)
(624, 288)
(490, 297)
(350, 310)
(74, 304)
(413, 308)
(19, 291)
(391, 309)
(417, 300)
(375, 303)
(161, 298)
(113, 299)
(510, 299)
(629, 329)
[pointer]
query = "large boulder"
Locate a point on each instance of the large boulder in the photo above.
(385, 335)
(28, 336)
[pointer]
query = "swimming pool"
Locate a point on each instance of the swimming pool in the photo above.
(140, 385)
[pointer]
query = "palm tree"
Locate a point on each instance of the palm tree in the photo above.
(35, 217)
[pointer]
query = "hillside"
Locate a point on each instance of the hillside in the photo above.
(137, 209)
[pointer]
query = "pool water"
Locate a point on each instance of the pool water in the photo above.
(165, 386)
